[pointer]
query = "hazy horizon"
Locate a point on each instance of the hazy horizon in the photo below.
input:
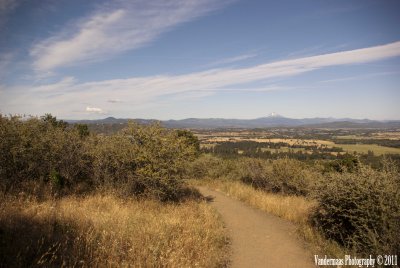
(181, 59)
(227, 118)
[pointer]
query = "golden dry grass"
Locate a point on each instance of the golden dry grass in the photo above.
(104, 230)
(293, 208)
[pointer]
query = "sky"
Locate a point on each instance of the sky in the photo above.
(175, 59)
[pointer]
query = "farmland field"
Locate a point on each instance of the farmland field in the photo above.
(334, 142)
(364, 148)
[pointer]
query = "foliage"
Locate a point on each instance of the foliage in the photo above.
(358, 207)
(286, 176)
(191, 139)
(350, 163)
(52, 120)
(148, 160)
(32, 149)
(361, 210)
(82, 129)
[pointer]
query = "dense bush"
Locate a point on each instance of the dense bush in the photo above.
(147, 160)
(208, 166)
(286, 176)
(361, 210)
(40, 150)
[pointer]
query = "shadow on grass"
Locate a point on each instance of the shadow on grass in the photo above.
(25, 242)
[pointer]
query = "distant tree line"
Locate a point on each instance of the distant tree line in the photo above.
(381, 142)
(254, 149)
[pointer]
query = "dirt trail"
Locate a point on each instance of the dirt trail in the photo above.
(258, 239)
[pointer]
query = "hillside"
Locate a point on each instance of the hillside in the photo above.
(272, 120)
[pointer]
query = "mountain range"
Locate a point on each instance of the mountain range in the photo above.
(273, 120)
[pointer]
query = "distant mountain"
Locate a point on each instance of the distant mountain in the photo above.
(272, 120)
(111, 120)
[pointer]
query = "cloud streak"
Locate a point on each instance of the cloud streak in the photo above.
(116, 28)
(138, 92)
(232, 59)
(219, 78)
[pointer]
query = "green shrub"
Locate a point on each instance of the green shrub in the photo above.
(361, 210)
(253, 171)
(286, 176)
(143, 159)
(32, 149)
(290, 176)
(208, 166)
(146, 160)
(350, 163)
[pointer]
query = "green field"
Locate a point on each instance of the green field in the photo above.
(364, 148)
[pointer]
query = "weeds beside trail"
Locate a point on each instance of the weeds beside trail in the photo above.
(104, 230)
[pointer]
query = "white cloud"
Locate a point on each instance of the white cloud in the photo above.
(139, 92)
(115, 28)
(149, 87)
(94, 110)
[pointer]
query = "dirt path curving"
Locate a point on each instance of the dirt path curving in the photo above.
(258, 239)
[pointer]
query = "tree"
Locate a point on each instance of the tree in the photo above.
(190, 138)
(82, 129)
(52, 120)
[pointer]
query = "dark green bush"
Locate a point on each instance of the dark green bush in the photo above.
(211, 167)
(361, 210)
(349, 163)
(34, 148)
(146, 160)
(286, 176)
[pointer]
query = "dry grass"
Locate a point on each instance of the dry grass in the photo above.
(293, 208)
(296, 209)
(103, 230)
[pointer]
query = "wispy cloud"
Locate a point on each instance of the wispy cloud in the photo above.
(115, 28)
(115, 101)
(357, 77)
(140, 91)
(232, 59)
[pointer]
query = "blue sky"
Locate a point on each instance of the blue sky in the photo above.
(200, 58)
